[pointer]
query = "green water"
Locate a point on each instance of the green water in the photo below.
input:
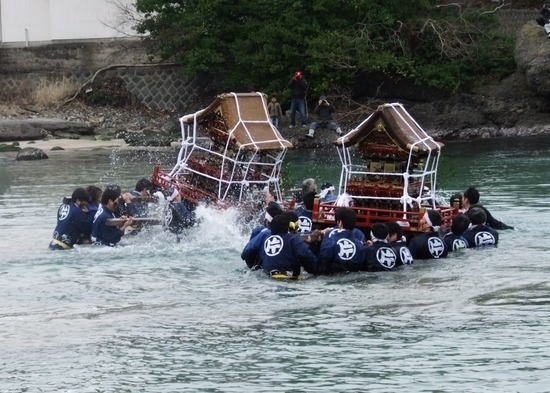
(154, 315)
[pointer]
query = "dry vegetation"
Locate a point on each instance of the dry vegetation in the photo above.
(51, 93)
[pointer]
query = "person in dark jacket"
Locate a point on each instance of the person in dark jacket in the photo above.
(429, 245)
(298, 90)
(251, 251)
(74, 221)
(283, 254)
(479, 234)
(544, 18)
(103, 234)
(305, 214)
(341, 251)
(379, 254)
(180, 214)
(454, 239)
(470, 199)
(324, 111)
(399, 244)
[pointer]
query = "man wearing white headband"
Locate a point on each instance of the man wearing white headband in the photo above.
(327, 194)
(250, 253)
(429, 245)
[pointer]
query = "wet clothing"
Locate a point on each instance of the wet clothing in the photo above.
(305, 224)
(340, 252)
(137, 209)
(251, 252)
(402, 252)
(480, 235)
(72, 224)
(455, 242)
(178, 217)
(102, 234)
(428, 245)
(379, 257)
(491, 221)
(92, 209)
(285, 254)
(257, 230)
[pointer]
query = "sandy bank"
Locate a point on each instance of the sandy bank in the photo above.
(80, 144)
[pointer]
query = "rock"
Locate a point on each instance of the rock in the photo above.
(532, 56)
(148, 137)
(56, 148)
(13, 147)
(30, 154)
(16, 130)
(55, 126)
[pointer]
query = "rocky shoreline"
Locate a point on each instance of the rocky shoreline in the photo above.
(518, 106)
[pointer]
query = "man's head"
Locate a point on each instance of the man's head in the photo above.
(328, 186)
(273, 99)
(298, 75)
(477, 216)
(345, 218)
(326, 189)
(279, 225)
(379, 231)
(143, 186)
(110, 198)
(80, 197)
(272, 210)
(470, 197)
(395, 231)
(456, 201)
(308, 185)
(431, 219)
(95, 194)
(460, 223)
(294, 222)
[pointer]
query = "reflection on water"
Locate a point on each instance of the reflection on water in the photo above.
(154, 315)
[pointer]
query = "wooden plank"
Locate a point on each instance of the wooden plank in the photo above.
(118, 222)
(148, 198)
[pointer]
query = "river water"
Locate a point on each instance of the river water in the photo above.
(153, 315)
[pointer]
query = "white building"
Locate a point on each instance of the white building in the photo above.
(40, 22)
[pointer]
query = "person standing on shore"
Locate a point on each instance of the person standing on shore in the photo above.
(275, 112)
(298, 88)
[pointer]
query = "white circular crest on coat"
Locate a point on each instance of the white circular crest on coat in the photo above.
(304, 224)
(168, 216)
(346, 249)
(406, 256)
(386, 257)
(458, 244)
(484, 239)
(64, 212)
(436, 246)
(273, 245)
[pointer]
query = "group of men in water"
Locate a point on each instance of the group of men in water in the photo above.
(84, 218)
(285, 244)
